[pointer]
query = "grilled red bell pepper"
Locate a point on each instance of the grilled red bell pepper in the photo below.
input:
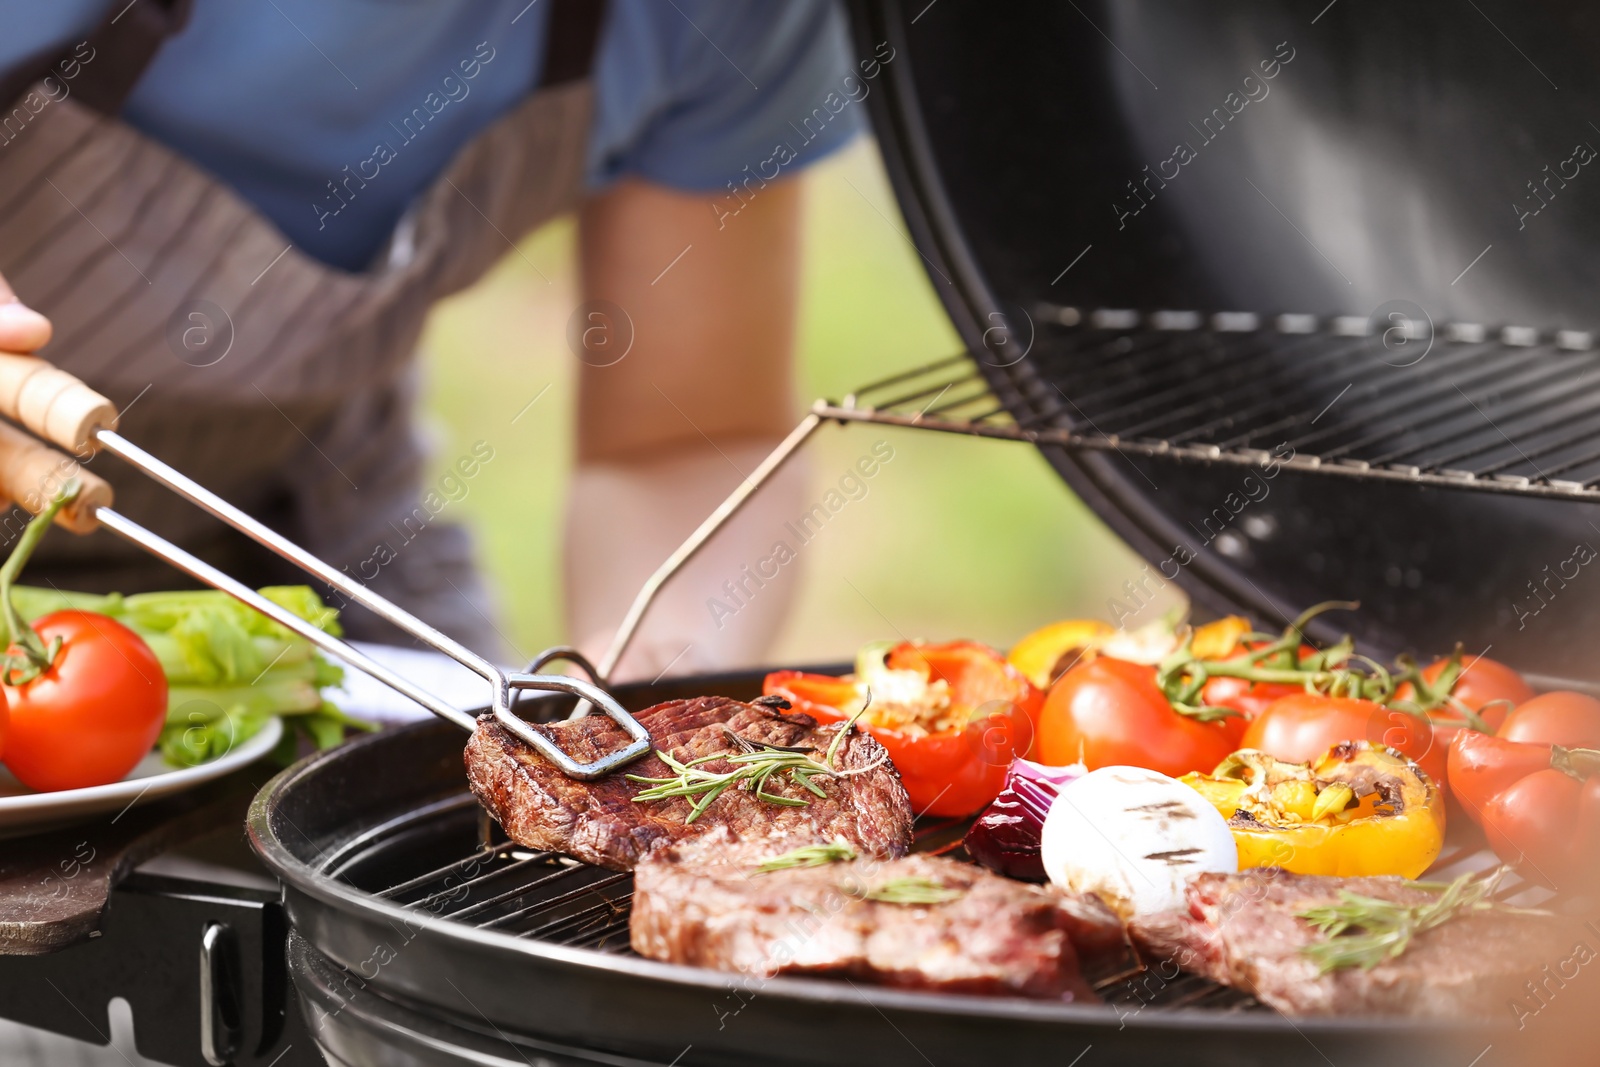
(1534, 787)
(952, 716)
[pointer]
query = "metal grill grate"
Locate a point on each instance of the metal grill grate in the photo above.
(494, 884)
(1515, 411)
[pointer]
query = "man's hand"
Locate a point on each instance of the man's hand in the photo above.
(22, 329)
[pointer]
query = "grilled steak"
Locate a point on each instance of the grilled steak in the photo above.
(599, 822)
(1242, 930)
(707, 903)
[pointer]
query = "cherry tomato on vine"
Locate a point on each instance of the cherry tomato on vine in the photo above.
(1559, 718)
(1248, 698)
(1300, 728)
(1487, 686)
(1110, 712)
(89, 716)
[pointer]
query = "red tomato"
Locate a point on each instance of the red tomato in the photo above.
(952, 772)
(5, 722)
(1536, 814)
(1559, 718)
(1484, 685)
(1300, 728)
(94, 713)
(1484, 682)
(1110, 712)
(1250, 699)
(1547, 821)
(1483, 766)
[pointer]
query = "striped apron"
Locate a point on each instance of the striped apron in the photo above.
(283, 384)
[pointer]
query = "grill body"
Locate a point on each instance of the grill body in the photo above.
(1376, 173)
(414, 942)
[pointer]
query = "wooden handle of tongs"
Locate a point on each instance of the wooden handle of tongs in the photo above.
(52, 403)
(32, 473)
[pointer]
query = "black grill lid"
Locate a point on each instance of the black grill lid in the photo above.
(1366, 188)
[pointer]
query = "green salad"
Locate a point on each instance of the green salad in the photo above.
(229, 669)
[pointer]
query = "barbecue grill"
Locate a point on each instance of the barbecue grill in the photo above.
(1314, 357)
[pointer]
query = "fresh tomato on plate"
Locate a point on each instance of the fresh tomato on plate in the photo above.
(1534, 786)
(1109, 712)
(952, 716)
(92, 709)
(87, 697)
(1299, 728)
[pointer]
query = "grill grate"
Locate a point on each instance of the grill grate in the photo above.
(1516, 411)
(476, 877)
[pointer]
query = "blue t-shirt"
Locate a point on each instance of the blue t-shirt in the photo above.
(278, 97)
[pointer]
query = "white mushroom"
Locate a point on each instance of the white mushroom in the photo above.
(1134, 837)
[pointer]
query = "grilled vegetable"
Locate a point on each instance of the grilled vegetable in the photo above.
(952, 716)
(1109, 712)
(1534, 787)
(86, 694)
(1133, 837)
(1359, 810)
(1051, 651)
(1456, 692)
(1300, 728)
(1005, 838)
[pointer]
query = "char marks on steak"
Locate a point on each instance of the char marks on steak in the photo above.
(1243, 930)
(599, 822)
(706, 903)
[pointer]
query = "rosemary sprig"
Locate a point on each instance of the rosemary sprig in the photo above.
(913, 890)
(836, 851)
(753, 766)
(1364, 931)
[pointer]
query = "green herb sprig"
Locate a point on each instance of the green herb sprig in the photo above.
(911, 891)
(836, 851)
(1364, 931)
(754, 765)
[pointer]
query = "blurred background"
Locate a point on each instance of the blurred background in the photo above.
(955, 537)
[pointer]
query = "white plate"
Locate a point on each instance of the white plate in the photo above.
(23, 811)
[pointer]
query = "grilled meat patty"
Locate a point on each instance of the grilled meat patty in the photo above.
(599, 822)
(1243, 930)
(708, 904)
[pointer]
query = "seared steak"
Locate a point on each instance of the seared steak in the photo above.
(707, 903)
(599, 822)
(1242, 930)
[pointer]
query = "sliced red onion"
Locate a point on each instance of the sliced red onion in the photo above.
(1005, 838)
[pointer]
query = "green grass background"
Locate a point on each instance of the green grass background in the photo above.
(957, 537)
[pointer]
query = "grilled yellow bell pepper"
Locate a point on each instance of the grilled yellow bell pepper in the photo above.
(1049, 651)
(1361, 809)
(1043, 654)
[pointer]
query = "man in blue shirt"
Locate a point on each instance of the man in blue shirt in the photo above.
(154, 155)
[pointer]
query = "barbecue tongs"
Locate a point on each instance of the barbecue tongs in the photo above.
(65, 411)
